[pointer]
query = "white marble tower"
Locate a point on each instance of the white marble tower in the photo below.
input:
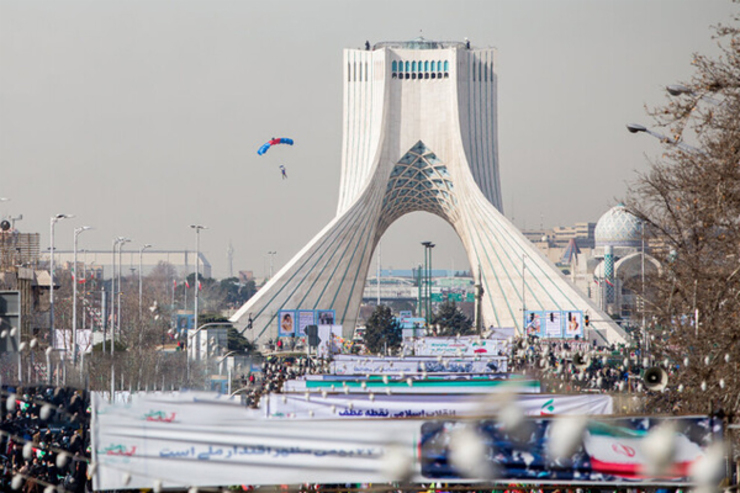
(420, 134)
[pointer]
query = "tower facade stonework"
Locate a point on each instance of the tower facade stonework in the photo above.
(420, 134)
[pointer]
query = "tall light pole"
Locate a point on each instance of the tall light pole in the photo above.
(272, 257)
(54, 220)
(120, 279)
(75, 280)
(197, 228)
(431, 270)
(113, 295)
(428, 245)
(425, 244)
(141, 286)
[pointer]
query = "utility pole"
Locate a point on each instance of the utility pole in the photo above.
(197, 228)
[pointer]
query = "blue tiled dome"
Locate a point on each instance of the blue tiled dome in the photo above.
(618, 228)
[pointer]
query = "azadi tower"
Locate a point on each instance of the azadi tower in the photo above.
(420, 134)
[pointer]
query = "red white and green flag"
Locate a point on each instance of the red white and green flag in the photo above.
(618, 451)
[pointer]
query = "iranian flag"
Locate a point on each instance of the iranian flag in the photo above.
(617, 451)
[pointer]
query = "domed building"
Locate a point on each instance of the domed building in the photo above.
(619, 259)
(619, 229)
(603, 259)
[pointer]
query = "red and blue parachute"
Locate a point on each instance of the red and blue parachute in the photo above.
(273, 142)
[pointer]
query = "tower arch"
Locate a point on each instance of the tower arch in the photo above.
(428, 147)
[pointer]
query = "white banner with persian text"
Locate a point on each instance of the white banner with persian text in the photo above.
(192, 439)
(429, 385)
(185, 440)
(358, 365)
(460, 346)
(335, 406)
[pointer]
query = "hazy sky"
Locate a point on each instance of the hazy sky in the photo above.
(143, 117)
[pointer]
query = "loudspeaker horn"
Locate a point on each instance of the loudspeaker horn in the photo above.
(655, 379)
(581, 361)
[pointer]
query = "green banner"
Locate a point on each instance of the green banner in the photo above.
(437, 298)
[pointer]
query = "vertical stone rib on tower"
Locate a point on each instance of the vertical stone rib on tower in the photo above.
(419, 134)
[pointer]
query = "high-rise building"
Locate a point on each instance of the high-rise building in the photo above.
(420, 134)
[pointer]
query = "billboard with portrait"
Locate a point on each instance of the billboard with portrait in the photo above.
(326, 317)
(608, 450)
(573, 325)
(533, 323)
(286, 322)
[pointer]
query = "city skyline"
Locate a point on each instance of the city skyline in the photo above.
(123, 113)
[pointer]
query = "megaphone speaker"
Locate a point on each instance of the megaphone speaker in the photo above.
(655, 379)
(581, 361)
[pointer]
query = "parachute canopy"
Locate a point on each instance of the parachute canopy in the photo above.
(273, 142)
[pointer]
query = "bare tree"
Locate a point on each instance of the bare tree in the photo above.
(689, 201)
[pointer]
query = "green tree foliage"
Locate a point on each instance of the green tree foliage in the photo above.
(214, 295)
(382, 330)
(689, 201)
(237, 342)
(451, 320)
(236, 293)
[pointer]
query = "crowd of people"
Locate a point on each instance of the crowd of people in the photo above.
(577, 365)
(561, 365)
(44, 439)
(275, 371)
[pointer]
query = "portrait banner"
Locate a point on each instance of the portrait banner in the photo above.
(326, 317)
(287, 323)
(610, 451)
(573, 325)
(533, 324)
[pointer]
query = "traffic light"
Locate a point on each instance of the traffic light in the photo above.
(312, 331)
(586, 320)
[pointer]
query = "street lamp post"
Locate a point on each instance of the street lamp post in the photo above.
(431, 270)
(54, 220)
(197, 228)
(637, 128)
(428, 245)
(191, 349)
(120, 280)
(75, 280)
(113, 295)
(141, 290)
(228, 369)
